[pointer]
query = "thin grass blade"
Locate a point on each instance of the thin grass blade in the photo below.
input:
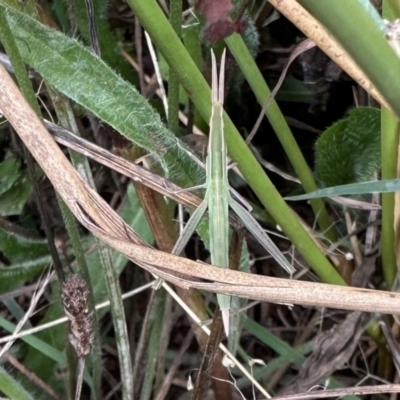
(254, 227)
(189, 228)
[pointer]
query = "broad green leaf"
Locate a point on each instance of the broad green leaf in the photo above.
(83, 77)
(8, 174)
(16, 275)
(15, 187)
(13, 201)
(349, 151)
(76, 72)
(19, 245)
(27, 255)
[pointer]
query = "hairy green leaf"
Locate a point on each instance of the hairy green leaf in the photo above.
(349, 151)
(18, 244)
(27, 255)
(80, 75)
(15, 187)
(8, 174)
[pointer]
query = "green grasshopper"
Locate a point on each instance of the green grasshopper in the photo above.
(218, 198)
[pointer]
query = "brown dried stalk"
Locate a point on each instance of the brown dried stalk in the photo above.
(75, 295)
(75, 300)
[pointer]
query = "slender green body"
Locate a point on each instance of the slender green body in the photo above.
(217, 194)
(218, 198)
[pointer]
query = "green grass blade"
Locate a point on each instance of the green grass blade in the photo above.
(11, 388)
(389, 147)
(189, 228)
(252, 225)
(386, 186)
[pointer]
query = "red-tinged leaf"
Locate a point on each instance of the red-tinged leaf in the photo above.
(222, 29)
(216, 15)
(214, 11)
